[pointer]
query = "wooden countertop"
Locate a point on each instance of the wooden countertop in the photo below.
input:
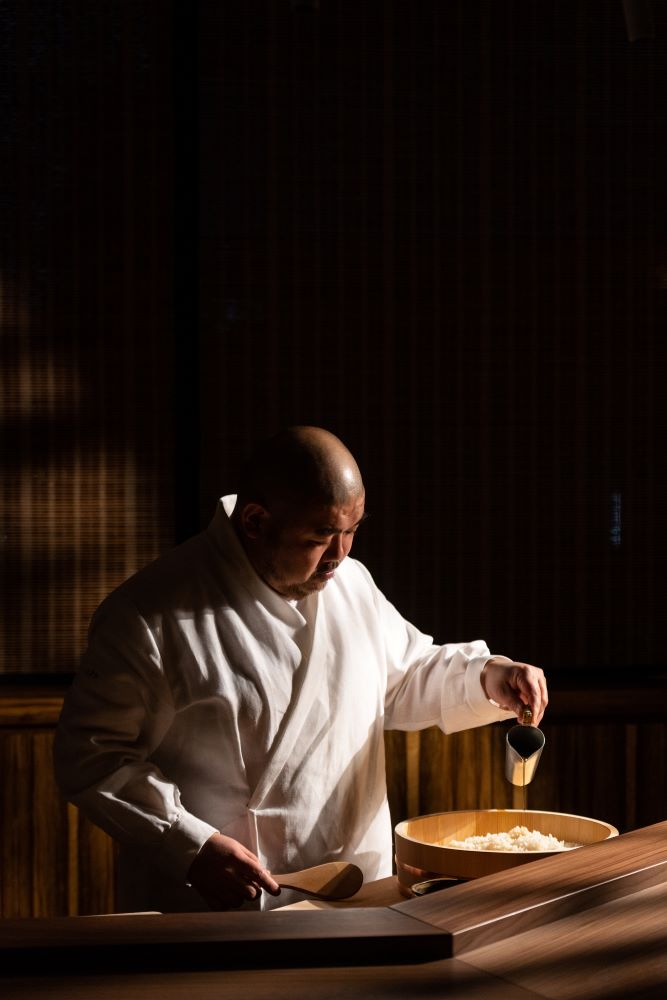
(617, 949)
(587, 924)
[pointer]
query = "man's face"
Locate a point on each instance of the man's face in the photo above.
(297, 551)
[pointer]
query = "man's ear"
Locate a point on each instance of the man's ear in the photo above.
(253, 519)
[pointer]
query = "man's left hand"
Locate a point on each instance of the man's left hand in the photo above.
(515, 687)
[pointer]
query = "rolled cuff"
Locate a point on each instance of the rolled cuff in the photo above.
(181, 844)
(477, 710)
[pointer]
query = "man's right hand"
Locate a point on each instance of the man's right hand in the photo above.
(226, 874)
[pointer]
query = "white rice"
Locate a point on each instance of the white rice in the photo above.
(520, 838)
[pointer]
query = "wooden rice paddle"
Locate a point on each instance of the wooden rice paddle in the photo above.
(333, 880)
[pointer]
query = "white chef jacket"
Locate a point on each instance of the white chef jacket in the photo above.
(207, 702)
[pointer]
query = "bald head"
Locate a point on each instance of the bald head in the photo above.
(300, 502)
(303, 465)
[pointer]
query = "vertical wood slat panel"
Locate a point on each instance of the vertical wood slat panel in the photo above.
(73, 880)
(84, 321)
(96, 869)
(16, 843)
(53, 862)
(49, 847)
(604, 770)
(458, 293)
(412, 772)
(49, 868)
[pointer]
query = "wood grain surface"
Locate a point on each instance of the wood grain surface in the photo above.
(609, 952)
(27, 708)
(422, 842)
(452, 979)
(54, 862)
(618, 949)
(219, 940)
(609, 769)
(461, 919)
(498, 906)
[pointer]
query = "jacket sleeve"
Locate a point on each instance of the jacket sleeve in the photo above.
(114, 716)
(431, 685)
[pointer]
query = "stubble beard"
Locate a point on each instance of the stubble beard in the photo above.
(295, 591)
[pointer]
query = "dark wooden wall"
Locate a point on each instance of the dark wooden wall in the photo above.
(86, 315)
(605, 757)
(53, 862)
(438, 230)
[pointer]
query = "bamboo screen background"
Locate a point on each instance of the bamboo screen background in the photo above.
(437, 229)
(86, 316)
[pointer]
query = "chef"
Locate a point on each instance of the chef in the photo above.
(227, 718)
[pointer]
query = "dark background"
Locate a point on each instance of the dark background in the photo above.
(436, 229)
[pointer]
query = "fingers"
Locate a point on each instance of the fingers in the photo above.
(516, 686)
(543, 693)
(227, 874)
(269, 883)
(259, 878)
(530, 683)
(229, 892)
